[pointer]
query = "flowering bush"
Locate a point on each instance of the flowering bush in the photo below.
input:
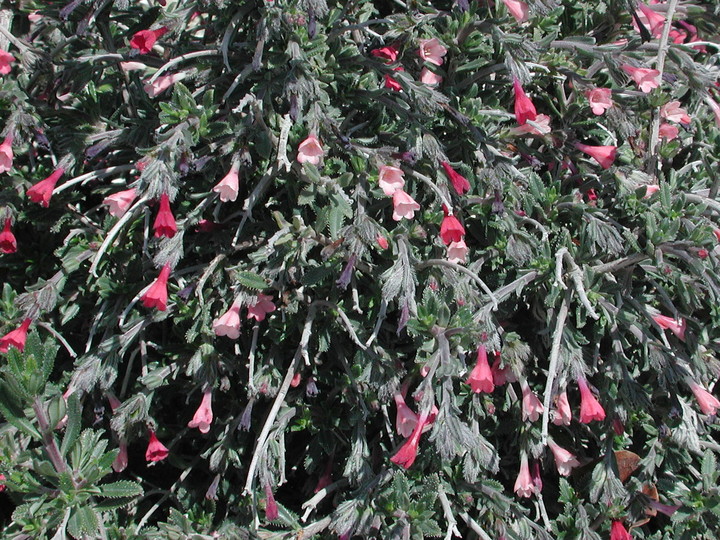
(299, 268)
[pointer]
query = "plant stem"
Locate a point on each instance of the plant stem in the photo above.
(48, 438)
(554, 364)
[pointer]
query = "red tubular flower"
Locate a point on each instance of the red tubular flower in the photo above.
(271, 509)
(590, 408)
(156, 451)
(8, 243)
(43, 190)
(459, 182)
(604, 155)
(481, 377)
(405, 457)
(618, 531)
(524, 108)
(451, 230)
(391, 83)
(144, 40)
(708, 403)
(157, 296)
(387, 53)
(204, 415)
(16, 338)
(5, 60)
(676, 326)
(164, 224)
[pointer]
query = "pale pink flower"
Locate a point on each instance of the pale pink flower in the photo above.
(715, 109)
(34, 17)
(204, 415)
(532, 408)
(6, 154)
(457, 251)
(119, 203)
(261, 307)
(429, 77)
(652, 20)
(406, 419)
(162, 83)
(391, 179)
(517, 9)
(564, 460)
(229, 186)
(132, 66)
(538, 126)
(672, 112)
(524, 485)
(604, 155)
(646, 79)
(404, 206)
(310, 150)
(562, 415)
(229, 323)
(431, 50)
(676, 326)
(668, 131)
(600, 100)
(650, 189)
(708, 403)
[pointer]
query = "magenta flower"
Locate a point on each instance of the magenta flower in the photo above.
(404, 206)
(618, 531)
(271, 508)
(524, 485)
(604, 155)
(156, 451)
(229, 323)
(481, 377)
(6, 154)
(590, 408)
(600, 100)
(261, 307)
(562, 415)
(708, 403)
(164, 224)
(310, 150)
(517, 9)
(391, 179)
(524, 108)
(532, 407)
(564, 460)
(646, 79)
(5, 60)
(204, 415)
(43, 190)
(459, 182)
(229, 186)
(8, 242)
(119, 203)
(431, 50)
(157, 296)
(16, 338)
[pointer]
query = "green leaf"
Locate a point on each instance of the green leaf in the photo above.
(123, 488)
(72, 429)
(251, 280)
(83, 521)
(709, 470)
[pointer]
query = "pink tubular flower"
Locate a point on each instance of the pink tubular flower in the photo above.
(157, 296)
(650, 189)
(431, 50)
(261, 307)
(382, 241)
(708, 403)
(532, 408)
(43, 190)
(229, 186)
(668, 131)
(8, 243)
(600, 100)
(271, 508)
(590, 408)
(652, 20)
(121, 460)
(672, 112)
(457, 251)
(429, 77)
(604, 155)
(228, 324)
(203, 416)
(646, 79)
(144, 40)
(481, 377)
(564, 460)
(501, 375)
(405, 419)
(391, 179)
(391, 83)
(162, 83)
(451, 230)
(404, 206)
(164, 224)
(676, 326)
(119, 203)
(562, 415)
(15, 338)
(386, 53)
(517, 9)
(310, 150)
(524, 485)
(6, 154)
(715, 109)
(540, 126)
(618, 531)
(5, 60)
(132, 66)
(156, 451)
(524, 108)
(459, 182)
(407, 453)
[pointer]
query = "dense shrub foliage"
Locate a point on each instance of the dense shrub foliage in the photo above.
(394, 269)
